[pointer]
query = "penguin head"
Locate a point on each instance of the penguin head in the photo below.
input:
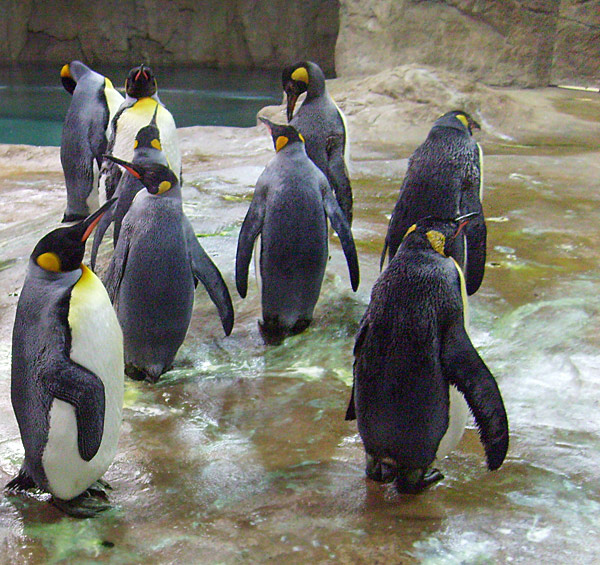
(71, 73)
(305, 76)
(282, 135)
(148, 137)
(140, 82)
(156, 177)
(459, 120)
(436, 233)
(62, 250)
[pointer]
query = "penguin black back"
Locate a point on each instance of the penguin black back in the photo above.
(444, 179)
(411, 345)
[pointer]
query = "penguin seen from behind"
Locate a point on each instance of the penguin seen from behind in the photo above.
(84, 135)
(411, 350)
(289, 210)
(153, 272)
(445, 179)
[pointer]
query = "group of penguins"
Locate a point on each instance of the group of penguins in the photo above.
(416, 372)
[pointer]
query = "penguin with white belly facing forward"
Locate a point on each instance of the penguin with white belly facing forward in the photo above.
(67, 373)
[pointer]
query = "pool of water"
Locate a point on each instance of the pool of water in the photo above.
(33, 102)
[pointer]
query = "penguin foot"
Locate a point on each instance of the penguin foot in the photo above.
(20, 483)
(414, 481)
(273, 332)
(378, 470)
(87, 505)
(144, 375)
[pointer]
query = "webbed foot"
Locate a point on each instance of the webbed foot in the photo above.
(379, 470)
(88, 504)
(414, 481)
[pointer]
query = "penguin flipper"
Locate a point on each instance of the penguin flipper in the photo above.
(72, 383)
(463, 368)
(476, 253)
(337, 174)
(101, 228)
(209, 275)
(251, 227)
(342, 228)
(360, 337)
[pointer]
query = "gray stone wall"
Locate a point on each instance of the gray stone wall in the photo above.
(499, 42)
(246, 33)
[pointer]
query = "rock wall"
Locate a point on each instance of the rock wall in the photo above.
(246, 33)
(498, 42)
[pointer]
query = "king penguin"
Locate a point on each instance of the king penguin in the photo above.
(67, 372)
(153, 272)
(84, 136)
(291, 203)
(323, 126)
(445, 179)
(140, 105)
(411, 350)
(147, 150)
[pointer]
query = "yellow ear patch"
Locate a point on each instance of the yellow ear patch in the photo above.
(410, 230)
(437, 240)
(65, 72)
(164, 186)
(300, 74)
(463, 119)
(135, 144)
(281, 142)
(49, 262)
(156, 144)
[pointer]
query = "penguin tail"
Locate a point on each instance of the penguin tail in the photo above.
(21, 482)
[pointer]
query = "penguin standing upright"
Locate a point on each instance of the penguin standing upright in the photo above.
(291, 203)
(147, 150)
(84, 135)
(67, 371)
(445, 179)
(153, 272)
(410, 348)
(140, 105)
(323, 126)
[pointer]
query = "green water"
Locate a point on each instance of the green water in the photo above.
(33, 102)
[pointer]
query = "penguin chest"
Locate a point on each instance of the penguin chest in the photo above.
(97, 345)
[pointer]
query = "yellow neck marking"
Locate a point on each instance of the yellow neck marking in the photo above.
(300, 74)
(49, 261)
(281, 142)
(146, 104)
(65, 71)
(164, 186)
(463, 119)
(108, 83)
(437, 240)
(410, 230)
(156, 144)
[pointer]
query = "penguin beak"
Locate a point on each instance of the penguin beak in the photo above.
(267, 123)
(463, 221)
(292, 97)
(91, 221)
(130, 167)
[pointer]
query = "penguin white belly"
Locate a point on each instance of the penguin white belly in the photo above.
(458, 414)
(97, 344)
(257, 273)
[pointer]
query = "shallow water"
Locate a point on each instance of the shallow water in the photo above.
(33, 102)
(241, 453)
